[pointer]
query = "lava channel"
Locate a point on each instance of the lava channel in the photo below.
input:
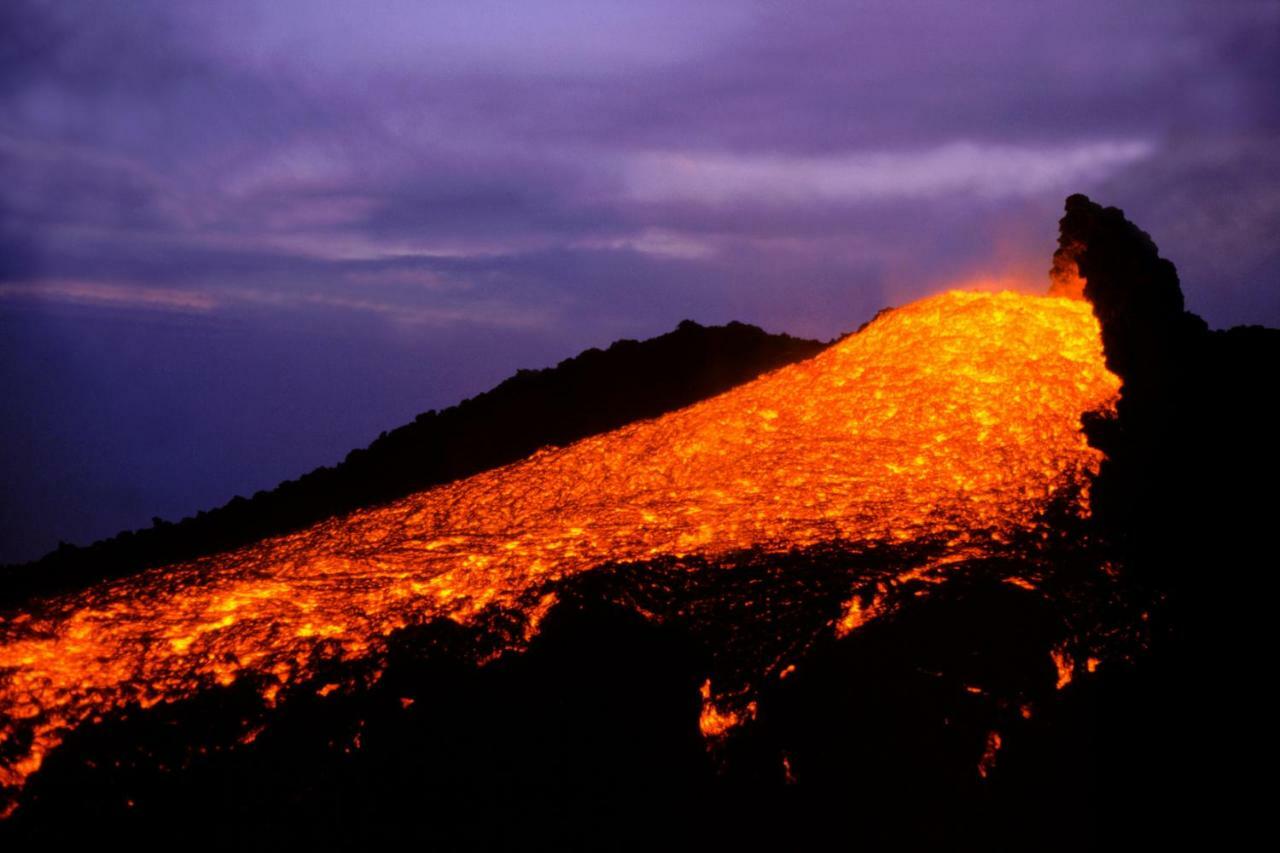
(956, 417)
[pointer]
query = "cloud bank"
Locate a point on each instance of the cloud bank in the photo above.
(218, 221)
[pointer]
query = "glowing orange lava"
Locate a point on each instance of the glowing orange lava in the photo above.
(715, 722)
(1065, 665)
(989, 752)
(957, 416)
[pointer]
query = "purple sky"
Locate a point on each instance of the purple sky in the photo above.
(239, 239)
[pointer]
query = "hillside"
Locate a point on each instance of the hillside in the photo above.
(593, 392)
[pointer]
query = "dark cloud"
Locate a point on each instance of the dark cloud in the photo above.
(394, 182)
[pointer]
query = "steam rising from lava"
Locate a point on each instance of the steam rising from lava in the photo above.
(956, 418)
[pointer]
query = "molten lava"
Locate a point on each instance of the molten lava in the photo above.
(956, 417)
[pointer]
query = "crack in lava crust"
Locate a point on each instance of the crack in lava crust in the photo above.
(955, 414)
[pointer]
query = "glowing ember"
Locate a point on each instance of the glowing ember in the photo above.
(1065, 665)
(716, 722)
(988, 760)
(956, 417)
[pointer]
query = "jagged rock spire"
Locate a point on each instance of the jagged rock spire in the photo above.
(1135, 293)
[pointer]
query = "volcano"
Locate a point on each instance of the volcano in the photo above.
(916, 588)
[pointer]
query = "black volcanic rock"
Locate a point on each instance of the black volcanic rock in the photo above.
(1188, 495)
(1135, 293)
(589, 738)
(1192, 449)
(594, 392)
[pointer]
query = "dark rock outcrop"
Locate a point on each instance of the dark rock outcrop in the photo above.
(1187, 495)
(1193, 440)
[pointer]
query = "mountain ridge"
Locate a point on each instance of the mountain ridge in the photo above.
(586, 394)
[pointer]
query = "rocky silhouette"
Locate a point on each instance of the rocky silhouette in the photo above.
(1187, 494)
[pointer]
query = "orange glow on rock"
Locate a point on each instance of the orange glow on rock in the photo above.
(956, 417)
(1065, 666)
(715, 722)
(988, 760)
(1064, 278)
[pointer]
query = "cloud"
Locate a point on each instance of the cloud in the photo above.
(568, 36)
(280, 147)
(659, 242)
(106, 294)
(385, 207)
(488, 312)
(986, 170)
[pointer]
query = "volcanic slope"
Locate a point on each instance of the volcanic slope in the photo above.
(956, 419)
(591, 393)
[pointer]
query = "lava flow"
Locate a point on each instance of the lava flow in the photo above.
(956, 417)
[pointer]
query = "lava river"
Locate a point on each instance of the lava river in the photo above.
(958, 416)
